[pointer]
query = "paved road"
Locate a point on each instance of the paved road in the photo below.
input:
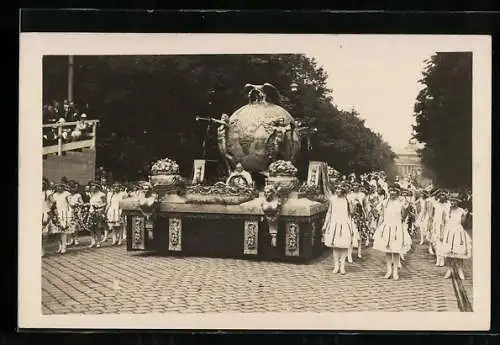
(111, 280)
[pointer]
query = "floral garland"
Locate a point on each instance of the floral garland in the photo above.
(165, 167)
(312, 192)
(332, 173)
(220, 188)
(282, 168)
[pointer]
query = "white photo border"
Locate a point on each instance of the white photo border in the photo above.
(34, 45)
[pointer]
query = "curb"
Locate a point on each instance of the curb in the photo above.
(462, 298)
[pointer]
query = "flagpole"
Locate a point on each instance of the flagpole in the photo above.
(70, 77)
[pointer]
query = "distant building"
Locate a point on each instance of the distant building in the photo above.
(408, 161)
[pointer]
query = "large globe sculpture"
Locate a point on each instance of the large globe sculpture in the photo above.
(251, 136)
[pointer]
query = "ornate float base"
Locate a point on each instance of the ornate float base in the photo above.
(229, 231)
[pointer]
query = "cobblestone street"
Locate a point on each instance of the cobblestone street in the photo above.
(112, 280)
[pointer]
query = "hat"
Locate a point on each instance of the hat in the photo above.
(94, 184)
(454, 197)
(146, 185)
(83, 115)
(395, 187)
(435, 191)
(60, 184)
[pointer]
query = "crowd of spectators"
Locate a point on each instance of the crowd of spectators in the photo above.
(61, 112)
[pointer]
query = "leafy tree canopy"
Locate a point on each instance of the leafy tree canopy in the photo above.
(147, 106)
(443, 113)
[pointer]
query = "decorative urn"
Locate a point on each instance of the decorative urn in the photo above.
(165, 177)
(282, 176)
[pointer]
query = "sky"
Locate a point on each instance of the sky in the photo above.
(379, 78)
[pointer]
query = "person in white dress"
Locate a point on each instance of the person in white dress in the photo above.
(429, 206)
(390, 237)
(357, 205)
(75, 201)
(48, 208)
(438, 223)
(456, 242)
(421, 215)
(97, 215)
(63, 216)
(114, 213)
(338, 229)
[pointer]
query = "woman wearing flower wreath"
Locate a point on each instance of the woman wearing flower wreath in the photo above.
(456, 242)
(75, 201)
(97, 215)
(114, 213)
(338, 229)
(373, 200)
(63, 218)
(439, 213)
(357, 199)
(420, 219)
(48, 213)
(390, 237)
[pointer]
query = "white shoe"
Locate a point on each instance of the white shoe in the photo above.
(349, 259)
(388, 275)
(336, 269)
(461, 274)
(447, 274)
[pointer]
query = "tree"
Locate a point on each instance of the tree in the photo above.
(443, 113)
(147, 106)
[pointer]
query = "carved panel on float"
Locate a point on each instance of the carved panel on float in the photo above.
(138, 229)
(292, 239)
(175, 234)
(250, 247)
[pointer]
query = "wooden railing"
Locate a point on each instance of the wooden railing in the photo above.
(88, 141)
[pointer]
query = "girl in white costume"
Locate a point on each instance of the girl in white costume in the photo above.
(48, 213)
(357, 205)
(421, 215)
(457, 244)
(390, 237)
(75, 201)
(63, 216)
(97, 215)
(114, 213)
(429, 209)
(438, 223)
(338, 229)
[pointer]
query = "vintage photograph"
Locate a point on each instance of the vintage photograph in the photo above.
(317, 181)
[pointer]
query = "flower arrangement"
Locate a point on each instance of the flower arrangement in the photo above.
(282, 168)
(165, 167)
(312, 192)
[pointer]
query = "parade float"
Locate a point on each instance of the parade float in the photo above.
(240, 217)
